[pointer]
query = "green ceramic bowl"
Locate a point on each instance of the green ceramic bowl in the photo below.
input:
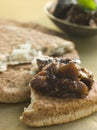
(74, 29)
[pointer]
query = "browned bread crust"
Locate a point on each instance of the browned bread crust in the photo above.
(46, 111)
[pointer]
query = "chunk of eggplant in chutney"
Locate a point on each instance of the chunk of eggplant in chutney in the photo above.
(62, 78)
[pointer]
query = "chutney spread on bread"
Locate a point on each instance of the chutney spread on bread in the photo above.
(58, 77)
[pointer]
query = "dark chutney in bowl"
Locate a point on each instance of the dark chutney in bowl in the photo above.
(77, 23)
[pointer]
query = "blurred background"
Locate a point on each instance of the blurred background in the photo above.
(21, 9)
(24, 10)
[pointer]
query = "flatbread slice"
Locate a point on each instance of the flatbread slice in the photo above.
(46, 111)
(19, 43)
(61, 92)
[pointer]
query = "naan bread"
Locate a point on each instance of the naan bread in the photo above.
(19, 44)
(46, 111)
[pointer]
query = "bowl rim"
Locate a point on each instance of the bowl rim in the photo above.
(50, 15)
